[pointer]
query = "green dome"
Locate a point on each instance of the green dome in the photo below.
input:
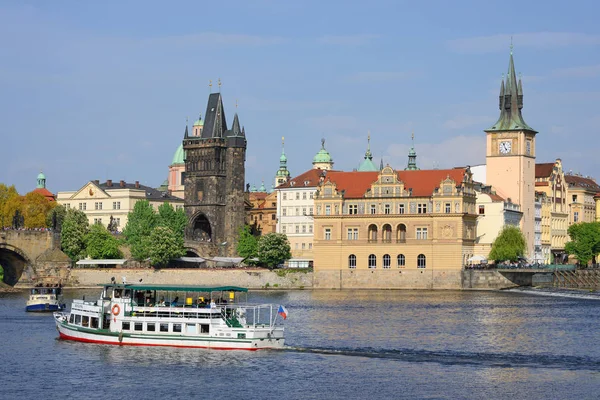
(367, 165)
(322, 156)
(199, 122)
(178, 156)
(41, 176)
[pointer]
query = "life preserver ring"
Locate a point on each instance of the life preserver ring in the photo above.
(116, 309)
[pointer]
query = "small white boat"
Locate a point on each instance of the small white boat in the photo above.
(44, 299)
(152, 315)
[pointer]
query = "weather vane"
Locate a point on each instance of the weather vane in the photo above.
(219, 83)
(210, 85)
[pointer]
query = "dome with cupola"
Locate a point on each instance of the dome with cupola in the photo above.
(178, 157)
(322, 159)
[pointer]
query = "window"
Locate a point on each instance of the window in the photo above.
(400, 208)
(481, 210)
(353, 209)
(373, 209)
(297, 211)
(94, 322)
(421, 261)
(296, 246)
(297, 195)
(272, 217)
(387, 209)
(387, 261)
(310, 229)
(82, 206)
(401, 260)
(283, 229)
(303, 228)
(138, 326)
(284, 196)
(310, 211)
(164, 327)
(327, 233)
(372, 261)
(98, 205)
(116, 205)
(260, 217)
(297, 228)
(85, 320)
(311, 195)
(310, 246)
(77, 319)
(151, 327)
(327, 209)
(304, 211)
(447, 208)
(126, 326)
(422, 208)
(351, 261)
(574, 198)
(284, 212)
(352, 233)
(177, 328)
(303, 195)
(576, 216)
(303, 246)
(72, 318)
(422, 233)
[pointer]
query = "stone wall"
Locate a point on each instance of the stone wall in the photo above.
(387, 279)
(477, 279)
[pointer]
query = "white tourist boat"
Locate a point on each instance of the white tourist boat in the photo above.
(44, 299)
(153, 315)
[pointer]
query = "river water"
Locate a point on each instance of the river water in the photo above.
(339, 345)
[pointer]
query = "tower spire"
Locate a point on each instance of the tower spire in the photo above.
(412, 156)
(368, 154)
(282, 174)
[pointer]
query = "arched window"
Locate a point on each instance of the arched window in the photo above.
(401, 260)
(421, 261)
(401, 233)
(387, 233)
(372, 261)
(351, 261)
(372, 233)
(387, 261)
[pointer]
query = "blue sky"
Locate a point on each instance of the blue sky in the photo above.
(101, 90)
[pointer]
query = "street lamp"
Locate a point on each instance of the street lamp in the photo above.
(221, 247)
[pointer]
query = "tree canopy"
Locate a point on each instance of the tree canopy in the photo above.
(273, 249)
(176, 220)
(74, 229)
(140, 223)
(585, 241)
(59, 212)
(509, 245)
(35, 208)
(7, 194)
(164, 245)
(101, 244)
(247, 246)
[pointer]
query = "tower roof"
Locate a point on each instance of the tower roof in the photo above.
(511, 103)
(199, 121)
(178, 157)
(367, 164)
(215, 123)
(323, 155)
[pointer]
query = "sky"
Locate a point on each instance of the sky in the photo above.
(101, 90)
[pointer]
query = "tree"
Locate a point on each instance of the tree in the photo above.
(74, 229)
(273, 249)
(6, 193)
(35, 208)
(164, 245)
(247, 246)
(140, 223)
(509, 245)
(101, 244)
(13, 205)
(56, 216)
(171, 218)
(585, 241)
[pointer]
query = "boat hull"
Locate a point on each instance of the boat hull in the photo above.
(67, 332)
(43, 307)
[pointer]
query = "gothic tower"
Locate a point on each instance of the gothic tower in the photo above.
(214, 182)
(510, 154)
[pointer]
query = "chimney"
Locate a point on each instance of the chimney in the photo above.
(137, 184)
(108, 182)
(97, 182)
(122, 183)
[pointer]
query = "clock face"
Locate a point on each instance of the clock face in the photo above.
(505, 147)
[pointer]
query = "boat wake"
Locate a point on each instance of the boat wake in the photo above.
(490, 360)
(551, 292)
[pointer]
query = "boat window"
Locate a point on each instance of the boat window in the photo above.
(151, 327)
(164, 327)
(77, 319)
(94, 323)
(127, 293)
(71, 318)
(126, 326)
(190, 329)
(85, 320)
(177, 328)
(203, 328)
(138, 326)
(117, 293)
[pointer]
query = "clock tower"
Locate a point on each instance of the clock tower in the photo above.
(510, 154)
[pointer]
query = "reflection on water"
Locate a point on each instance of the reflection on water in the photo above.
(340, 344)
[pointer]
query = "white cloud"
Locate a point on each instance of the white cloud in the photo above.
(348, 40)
(464, 121)
(501, 42)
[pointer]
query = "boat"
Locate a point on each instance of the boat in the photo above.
(152, 315)
(44, 299)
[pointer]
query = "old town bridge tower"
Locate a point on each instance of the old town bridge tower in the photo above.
(214, 182)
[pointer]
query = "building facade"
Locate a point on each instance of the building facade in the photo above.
(214, 182)
(401, 220)
(581, 191)
(262, 216)
(103, 202)
(510, 155)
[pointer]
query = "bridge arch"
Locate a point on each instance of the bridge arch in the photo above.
(13, 261)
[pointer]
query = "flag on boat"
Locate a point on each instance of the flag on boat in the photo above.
(283, 312)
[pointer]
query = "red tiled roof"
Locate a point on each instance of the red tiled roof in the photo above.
(422, 182)
(582, 182)
(309, 178)
(495, 197)
(258, 195)
(541, 184)
(46, 193)
(543, 170)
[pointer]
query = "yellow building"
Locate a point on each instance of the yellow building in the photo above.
(103, 201)
(581, 191)
(393, 220)
(262, 214)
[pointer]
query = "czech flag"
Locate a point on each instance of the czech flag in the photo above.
(283, 312)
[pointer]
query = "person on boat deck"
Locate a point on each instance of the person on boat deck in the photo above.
(149, 302)
(161, 303)
(200, 302)
(212, 304)
(174, 302)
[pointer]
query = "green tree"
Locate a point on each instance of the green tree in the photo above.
(6, 194)
(101, 244)
(1, 274)
(247, 246)
(273, 249)
(509, 245)
(74, 229)
(12, 205)
(171, 218)
(585, 241)
(140, 223)
(35, 208)
(164, 245)
(60, 211)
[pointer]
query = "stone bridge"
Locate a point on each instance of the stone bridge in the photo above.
(31, 256)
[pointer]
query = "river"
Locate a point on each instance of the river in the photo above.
(339, 345)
